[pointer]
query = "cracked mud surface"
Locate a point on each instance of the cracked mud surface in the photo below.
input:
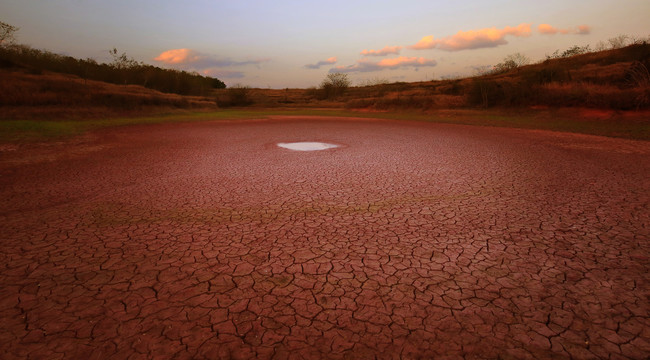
(411, 240)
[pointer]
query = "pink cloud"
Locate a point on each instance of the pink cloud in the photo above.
(383, 52)
(194, 59)
(547, 29)
(317, 65)
(473, 39)
(366, 65)
(179, 56)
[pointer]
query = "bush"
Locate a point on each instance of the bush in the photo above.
(549, 73)
(334, 85)
(236, 95)
(484, 93)
(575, 50)
(511, 62)
(638, 77)
(619, 41)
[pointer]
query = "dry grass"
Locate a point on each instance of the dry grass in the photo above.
(591, 95)
(613, 79)
(28, 95)
(615, 82)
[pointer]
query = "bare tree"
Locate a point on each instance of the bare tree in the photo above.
(619, 41)
(7, 33)
(122, 61)
(335, 84)
(600, 46)
(511, 62)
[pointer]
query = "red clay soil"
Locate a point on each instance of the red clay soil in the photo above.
(411, 240)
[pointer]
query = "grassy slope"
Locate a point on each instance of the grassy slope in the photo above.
(52, 95)
(613, 79)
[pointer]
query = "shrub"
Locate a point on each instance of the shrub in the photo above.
(638, 76)
(575, 50)
(236, 95)
(511, 62)
(549, 73)
(483, 92)
(619, 41)
(334, 85)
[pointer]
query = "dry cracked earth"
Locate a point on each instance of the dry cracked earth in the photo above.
(410, 240)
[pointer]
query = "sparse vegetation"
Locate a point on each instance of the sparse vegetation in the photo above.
(57, 96)
(638, 77)
(334, 85)
(619, 41)
(572, 51)
(374, 82)
(236, 95)
(576, 77)
(511, 62)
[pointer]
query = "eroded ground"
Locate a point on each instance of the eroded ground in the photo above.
(411, 240)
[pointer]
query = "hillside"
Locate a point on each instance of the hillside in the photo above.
(615, 79)
(55, 95)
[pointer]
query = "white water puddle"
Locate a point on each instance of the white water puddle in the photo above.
(307, 146)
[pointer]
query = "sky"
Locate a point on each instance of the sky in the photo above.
(295, 44)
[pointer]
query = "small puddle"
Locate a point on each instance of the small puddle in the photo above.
(307, 146)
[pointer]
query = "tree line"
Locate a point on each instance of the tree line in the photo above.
(122, 70)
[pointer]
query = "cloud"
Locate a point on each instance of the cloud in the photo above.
(547, 29)
(190, 58)
(317, 65)
(473, 39)
(178, 56)
(583, 30)
(366, 65)
(383, 52)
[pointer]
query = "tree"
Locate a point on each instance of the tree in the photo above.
(238, 95)
(600, 46)
(619, 41)
(575, 50)
(124, 64)
(122, 61)
(334, 84)
(217, 84)
(7, 33)
(511, 62)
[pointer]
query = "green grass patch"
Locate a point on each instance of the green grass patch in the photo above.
(637, 127)
(29, 130)
(45, 130)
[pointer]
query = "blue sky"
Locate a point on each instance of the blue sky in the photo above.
(285, 43)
